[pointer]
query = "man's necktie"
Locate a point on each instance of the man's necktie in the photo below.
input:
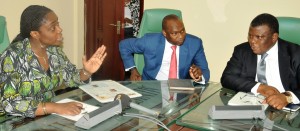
(261, 69)
(173, 65)
(173, 68)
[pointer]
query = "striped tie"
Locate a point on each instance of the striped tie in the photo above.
(261, 69)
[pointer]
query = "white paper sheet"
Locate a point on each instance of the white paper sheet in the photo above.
(87, 109)
(243, 98)
(105, 91)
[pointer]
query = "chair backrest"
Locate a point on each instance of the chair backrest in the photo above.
(4, 41)
(152, 23)
(289, 29)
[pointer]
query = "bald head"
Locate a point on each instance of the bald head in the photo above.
(167, 18)
(173, 29)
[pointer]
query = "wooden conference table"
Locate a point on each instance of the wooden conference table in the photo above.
(153, 97)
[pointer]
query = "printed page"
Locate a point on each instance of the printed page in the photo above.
(106, 90)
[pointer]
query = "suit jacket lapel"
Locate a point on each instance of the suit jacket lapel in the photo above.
(183, 56)
(284, 63)
(253, 65)
(249, 64)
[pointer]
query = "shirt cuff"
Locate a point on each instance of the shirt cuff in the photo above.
(295, 100)
(254, 89)
(203, 80)
(128, 69)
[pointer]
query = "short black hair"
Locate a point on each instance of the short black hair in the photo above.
(169, 17)
(31, 20)
(266, 19)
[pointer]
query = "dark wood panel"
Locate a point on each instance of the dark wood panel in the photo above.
(99, 15)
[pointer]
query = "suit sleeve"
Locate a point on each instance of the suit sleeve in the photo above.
(130, 46)
(235, 75)
(200, 61)
(295, 68)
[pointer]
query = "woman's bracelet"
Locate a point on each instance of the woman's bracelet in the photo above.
(44, 108)
(85, 72)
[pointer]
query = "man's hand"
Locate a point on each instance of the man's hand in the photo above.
(277, 101)
(195, 73)
(135, 75)
(266, 90)
(273, 96)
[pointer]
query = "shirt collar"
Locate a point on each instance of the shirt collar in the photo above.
(168, 44)
(274, 50)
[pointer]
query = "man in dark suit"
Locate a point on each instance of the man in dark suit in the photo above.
(157, 51)
(282, 64)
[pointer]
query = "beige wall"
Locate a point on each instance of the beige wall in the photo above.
(70, 15)
(222, 24)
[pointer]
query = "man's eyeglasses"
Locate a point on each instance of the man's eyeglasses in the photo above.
(250, 98)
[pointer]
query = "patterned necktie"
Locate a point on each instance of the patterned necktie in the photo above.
(173, 69)
(173, 65)
(261, 69)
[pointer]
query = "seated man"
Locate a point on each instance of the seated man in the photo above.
(160, 60)
(265, 65)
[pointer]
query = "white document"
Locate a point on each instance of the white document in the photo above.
(86, 109)
(242, 98)
(106, 90)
